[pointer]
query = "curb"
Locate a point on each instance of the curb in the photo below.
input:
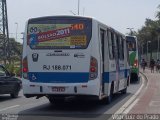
(131, 102)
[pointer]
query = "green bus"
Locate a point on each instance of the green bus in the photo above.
(132, 45)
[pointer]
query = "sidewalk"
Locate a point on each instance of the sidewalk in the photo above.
(149, 100)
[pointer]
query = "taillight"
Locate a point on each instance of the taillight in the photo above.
(93, 68)
(135, 63)
(25, 68)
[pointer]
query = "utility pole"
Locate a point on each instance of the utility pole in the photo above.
(147, 50)
(158, 48)
(16, 29)
(142, 50)
(78, 6)
(4, 32)
(131, 32)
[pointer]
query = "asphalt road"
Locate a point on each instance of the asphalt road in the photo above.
(23, 108)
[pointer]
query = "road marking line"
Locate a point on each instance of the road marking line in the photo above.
(129, 102)
(131, 106)
(9, 107)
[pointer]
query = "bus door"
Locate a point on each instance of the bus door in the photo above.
(102, 38)
(117, 62)
(122, 82)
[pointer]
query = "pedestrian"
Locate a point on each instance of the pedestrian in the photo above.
(152, 64)
(158, 65)
(143, 64)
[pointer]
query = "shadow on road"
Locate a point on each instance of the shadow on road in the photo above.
(136, 82)
(74, 109)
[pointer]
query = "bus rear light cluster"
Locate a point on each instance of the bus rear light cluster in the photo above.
(93, 69)
(135, 63)
(25, 68)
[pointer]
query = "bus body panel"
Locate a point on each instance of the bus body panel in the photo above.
(59, 69)
(67, 71)
(44, 75)
(48, 88)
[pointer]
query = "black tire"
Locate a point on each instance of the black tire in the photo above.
(109, 98)
(104, 101)
(128, 81)
(134, 77)
(124, 91)
(16, 91)
(14, 95)
(55, 101)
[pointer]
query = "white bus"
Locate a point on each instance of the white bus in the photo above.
(73, 56)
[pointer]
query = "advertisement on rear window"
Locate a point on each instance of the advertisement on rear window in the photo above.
(131, 45)
(58, 36)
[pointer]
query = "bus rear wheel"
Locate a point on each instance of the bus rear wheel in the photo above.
(109, 98)
(124, 91)
(56, 100)
(134, 77)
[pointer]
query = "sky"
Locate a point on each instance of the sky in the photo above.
(119, 14)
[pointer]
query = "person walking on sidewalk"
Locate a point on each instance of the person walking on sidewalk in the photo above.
(143, 64)
(152, 64)
(158, 65)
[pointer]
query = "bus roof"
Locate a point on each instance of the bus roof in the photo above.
(75, 16)
(57, 16)
(134, 38)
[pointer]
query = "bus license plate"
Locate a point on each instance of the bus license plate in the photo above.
(58, 89)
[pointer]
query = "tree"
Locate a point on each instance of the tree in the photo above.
(158, 13)
(15, 51)
(150, 31)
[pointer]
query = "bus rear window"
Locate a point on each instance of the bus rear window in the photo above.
(59, 33)
(131, 46)
(131, 43)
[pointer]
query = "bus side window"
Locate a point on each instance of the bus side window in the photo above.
(127, 52)
(118, 46)
(121, 48)
(122, 40)
(111, 45)
(102, 35)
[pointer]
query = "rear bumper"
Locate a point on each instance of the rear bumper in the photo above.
(71, 89)
(86, 97)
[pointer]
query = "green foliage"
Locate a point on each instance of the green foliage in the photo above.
(18, 71)
(158, 13)
(150, 32)
(13, 68)
(10, 67)
(15, 52)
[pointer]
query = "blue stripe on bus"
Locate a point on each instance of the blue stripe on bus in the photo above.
(112, 76)
(76, 77)
(127, 71)
(52, 77)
